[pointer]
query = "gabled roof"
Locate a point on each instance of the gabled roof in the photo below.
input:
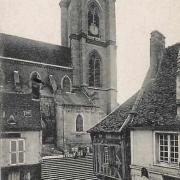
(14, 105)
(36, 51)
(157, 106)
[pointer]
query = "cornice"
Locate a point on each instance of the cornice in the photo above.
(91, 40)
(33, 63)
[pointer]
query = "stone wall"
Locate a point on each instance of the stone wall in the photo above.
(66, 125)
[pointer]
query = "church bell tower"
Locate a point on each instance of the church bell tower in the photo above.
(88, 27)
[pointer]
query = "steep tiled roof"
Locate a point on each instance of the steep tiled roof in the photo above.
(114, 121)
(13, 104)
(27, 49)
(157, 106)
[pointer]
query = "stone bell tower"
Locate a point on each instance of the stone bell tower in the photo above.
(88, 27)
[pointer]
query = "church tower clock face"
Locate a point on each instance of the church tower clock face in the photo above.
(94, 29)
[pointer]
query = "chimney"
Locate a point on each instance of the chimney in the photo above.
(157, 47)
(178, 85)
(64, 22)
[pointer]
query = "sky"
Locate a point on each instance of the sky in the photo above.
(135, 20)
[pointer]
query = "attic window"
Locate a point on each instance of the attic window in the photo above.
(11, 120)
(28, 113)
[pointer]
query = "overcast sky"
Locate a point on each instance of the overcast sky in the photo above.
(40, 20)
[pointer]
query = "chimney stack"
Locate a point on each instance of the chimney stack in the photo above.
(64, 22)
(178, 85)
(157, 47)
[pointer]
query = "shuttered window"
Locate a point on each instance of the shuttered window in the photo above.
(17, 151)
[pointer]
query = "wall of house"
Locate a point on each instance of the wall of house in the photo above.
(118, 148)
(142, 156)
(33, 144)
(66, 117)
(141, 145)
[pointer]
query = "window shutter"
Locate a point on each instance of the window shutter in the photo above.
(21, 145)
(13, 152)
(21, 149)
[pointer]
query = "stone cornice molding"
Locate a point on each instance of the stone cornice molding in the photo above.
(91, 40)
(38, 64)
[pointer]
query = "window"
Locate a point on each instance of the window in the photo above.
(27, 113)
(11, 120)
(19, 175)
(53, 83)
(96, 158)
(17, 151)
(168, 148)
(93, 20)
(95, 70)
(35, 85)
(14, 175)
(16, 77)
(106, 155)
(66, 84)
(79, 123)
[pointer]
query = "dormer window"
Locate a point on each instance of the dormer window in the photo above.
(11, 120)
(28, 113)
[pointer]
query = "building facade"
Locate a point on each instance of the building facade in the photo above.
(20, 137)
(75, 83)
(148, 121)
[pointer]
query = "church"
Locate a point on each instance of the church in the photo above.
(75, 84)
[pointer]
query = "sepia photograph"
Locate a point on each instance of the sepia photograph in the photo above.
(89, 89)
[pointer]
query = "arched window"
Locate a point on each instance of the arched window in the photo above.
(66, 84)
(95, 70)
(35, 85)
(79, 123)
(93, 20)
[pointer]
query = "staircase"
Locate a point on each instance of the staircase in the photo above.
(68, 169)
